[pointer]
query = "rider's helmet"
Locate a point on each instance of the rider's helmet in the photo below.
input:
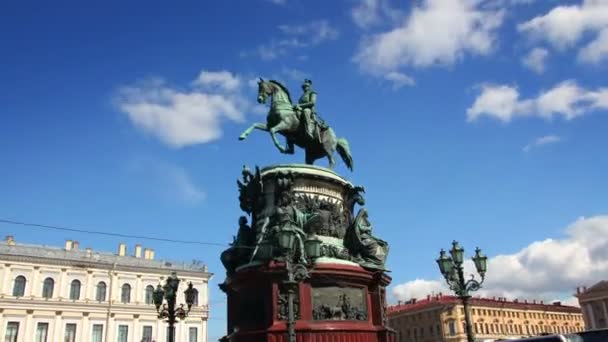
(307, 84)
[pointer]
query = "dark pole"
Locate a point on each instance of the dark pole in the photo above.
(290, 284)
(464, 296)
(452, 270)
(169, 311)
(171, 321)
(467, 319)
(291, 329)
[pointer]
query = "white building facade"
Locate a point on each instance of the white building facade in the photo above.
(64, 294)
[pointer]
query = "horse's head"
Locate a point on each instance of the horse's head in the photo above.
(265, 89)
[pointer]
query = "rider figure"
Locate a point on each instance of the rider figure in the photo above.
(306, 106)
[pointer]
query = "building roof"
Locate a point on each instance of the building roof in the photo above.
(601, 286)
(90, 258)
(441, 300)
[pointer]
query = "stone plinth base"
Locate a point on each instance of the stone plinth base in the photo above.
(338, 303)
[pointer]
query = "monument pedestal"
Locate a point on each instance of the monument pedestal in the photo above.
(257, 305)
(342, 297)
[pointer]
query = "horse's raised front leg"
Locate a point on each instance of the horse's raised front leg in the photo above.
(257, 125)
(290, 147)
(273, 133)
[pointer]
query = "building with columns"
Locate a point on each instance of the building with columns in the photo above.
(50, 294)
(441, 318)
(594, 304)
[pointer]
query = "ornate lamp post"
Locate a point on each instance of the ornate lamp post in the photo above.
(452, 270)
(296, 271)
(168, 310)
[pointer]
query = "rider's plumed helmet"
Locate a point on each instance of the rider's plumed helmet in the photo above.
(307, 83)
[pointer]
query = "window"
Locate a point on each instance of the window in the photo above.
(149, 294)
(123, 333)
(147, 334)
(452, 328)
(193, 334)
(195, 303)
(70, 332)
(100, 295)
(19, 287)
(125, 294)
(42, 331)
(47, 288)
(97, 334)
(12, 330)
(75, 289)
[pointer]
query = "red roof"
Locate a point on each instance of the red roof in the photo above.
(439, 300)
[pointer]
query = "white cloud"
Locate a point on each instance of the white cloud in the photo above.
(596, 51)
(564, 26)
(566, 99)
(419, 288)
(544, 140)
(372, 12)
(296, 37)
(535, 60)
(437, 32)
(184, 117)
(548, 270)
(223, 80)
(498, 101)
(399, 79)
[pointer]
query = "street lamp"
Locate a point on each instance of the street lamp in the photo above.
(296, 270)
(168, 310)
(452, 270)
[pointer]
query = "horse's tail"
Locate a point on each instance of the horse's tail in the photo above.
(344, 151)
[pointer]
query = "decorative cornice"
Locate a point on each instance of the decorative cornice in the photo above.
(99, 265)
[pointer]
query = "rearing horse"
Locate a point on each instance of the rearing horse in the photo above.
(284, 120)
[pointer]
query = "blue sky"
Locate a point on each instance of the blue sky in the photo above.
(482, 121)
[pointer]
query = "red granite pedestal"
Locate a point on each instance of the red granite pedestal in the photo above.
(257, 305)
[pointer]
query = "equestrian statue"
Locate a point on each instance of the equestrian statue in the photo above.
(300, 124)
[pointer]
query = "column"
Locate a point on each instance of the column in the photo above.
(7, 281)
(28, 330)
(160, 331)
(605, 307)
(88, 286)
(136, 329)
(63, 293)
(111, 330)
(115, 292)
(591, 316)
(35, 290)
(139, 296)
(58, 328)
(84, 328)
(202, 335)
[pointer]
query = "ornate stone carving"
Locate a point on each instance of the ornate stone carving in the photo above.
(333, 251)
(370, 250)
(282, 313)
(241, 247)
(337, 303)
(250, 191)
(309, 201)
(328, 218)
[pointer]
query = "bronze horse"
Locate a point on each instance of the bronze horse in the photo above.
(283, 119)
